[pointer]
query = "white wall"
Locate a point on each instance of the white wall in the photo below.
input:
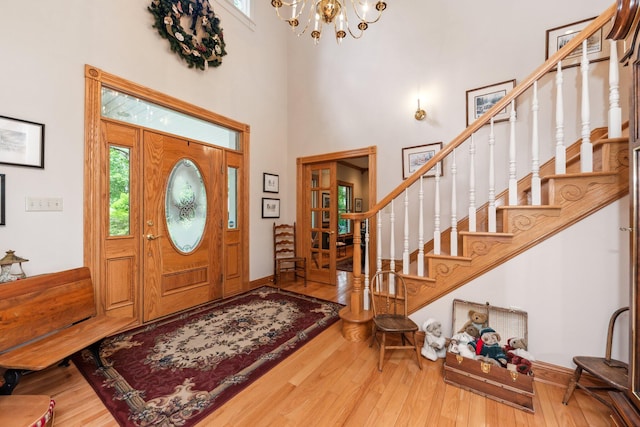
(44, 50)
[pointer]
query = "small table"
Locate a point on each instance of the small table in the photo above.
(341, 247)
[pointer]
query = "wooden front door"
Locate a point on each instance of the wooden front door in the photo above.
(182, 221)
(322, 215)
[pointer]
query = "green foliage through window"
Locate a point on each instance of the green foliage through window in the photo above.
(119, 182)
(345, 200)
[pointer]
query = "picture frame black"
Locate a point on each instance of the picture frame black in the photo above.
(270, 183)
(21, 143)
(2, 199)
(357, 205)
(270, 208)
(598, 48)
(326, 204)
(481, 99)
(414, 157)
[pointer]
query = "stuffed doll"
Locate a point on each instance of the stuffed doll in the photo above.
(519, 364)
(476, 318)
(518, 356)
(434, 341)
(459, 343)
(518, 346)
(488, 347)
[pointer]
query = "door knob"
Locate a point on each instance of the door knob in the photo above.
(151, 236)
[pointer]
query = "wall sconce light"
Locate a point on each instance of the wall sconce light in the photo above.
(420, 113)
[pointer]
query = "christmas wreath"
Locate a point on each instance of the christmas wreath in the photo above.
(200, 52)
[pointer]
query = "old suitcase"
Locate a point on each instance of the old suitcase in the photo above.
(504, 385)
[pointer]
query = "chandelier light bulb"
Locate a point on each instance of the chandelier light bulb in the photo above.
(313, 15)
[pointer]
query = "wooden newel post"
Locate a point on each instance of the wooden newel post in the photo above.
(357, 301)
(356, 321)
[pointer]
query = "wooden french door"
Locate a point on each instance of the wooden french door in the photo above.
(182, 224)
(322, 214)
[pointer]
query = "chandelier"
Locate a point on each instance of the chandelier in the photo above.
(327, 12)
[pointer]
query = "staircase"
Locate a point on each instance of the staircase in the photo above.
(581, 179)
(566, 199)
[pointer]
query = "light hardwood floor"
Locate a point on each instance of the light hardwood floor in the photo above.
(333, 382)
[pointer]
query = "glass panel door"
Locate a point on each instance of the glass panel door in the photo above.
(322, 227)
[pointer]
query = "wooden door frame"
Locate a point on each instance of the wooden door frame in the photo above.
(301, 192)
(95, 170)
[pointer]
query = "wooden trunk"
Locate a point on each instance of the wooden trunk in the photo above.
(501, 384)
(488, 380)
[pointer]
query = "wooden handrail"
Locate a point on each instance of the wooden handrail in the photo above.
(356, 308)
(486, 117)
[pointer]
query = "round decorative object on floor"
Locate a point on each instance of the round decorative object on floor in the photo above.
(26, 410)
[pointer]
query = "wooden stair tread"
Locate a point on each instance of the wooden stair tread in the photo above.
(527, 207)
(574, 175)
(484, 233)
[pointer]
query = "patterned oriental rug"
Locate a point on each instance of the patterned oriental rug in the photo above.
(177, 371)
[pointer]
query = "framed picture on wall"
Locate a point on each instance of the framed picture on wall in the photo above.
(480, 100)
(598, 47)
(270, 208)
(21, 143)
(358, 205)
(270, 183)
(2, 222)
(326, 203)
(414, 157)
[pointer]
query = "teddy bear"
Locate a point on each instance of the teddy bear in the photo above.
(518, 356)
(477, 319)
(434, 341)
(518, 346)
(488, 347)
(459, 343)
(519, 364)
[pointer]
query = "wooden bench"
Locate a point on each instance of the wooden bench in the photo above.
(45, 319)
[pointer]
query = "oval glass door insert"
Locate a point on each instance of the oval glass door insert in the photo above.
(185, 206)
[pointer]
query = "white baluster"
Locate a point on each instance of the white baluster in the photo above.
(586, 148)
(491, 214)
(454, 207)
(535, 151)
(615, 112)
(561, 150)
(421, 229)
(392, 238)
(436, 214)
(405, 250)
(392, 247)
(513, 179)
(366, 265)
(472, 185)
(379, 243)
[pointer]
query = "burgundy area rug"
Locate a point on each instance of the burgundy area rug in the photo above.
(177, 371)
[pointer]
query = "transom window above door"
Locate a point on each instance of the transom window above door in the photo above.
(130, 109)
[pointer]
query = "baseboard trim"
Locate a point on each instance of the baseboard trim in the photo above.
(560, 376)
(268, 280)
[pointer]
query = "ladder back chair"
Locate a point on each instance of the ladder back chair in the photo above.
(390, 315)
(285, 258)
(613, 373)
